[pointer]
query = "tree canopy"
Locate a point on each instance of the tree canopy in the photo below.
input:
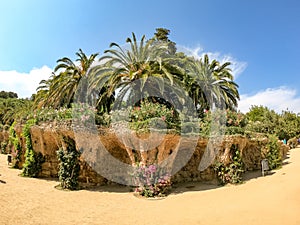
(8, 94)
(155, 63)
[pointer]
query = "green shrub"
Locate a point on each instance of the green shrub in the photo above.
(69, 167)
(103, 119)
(148, 116)
(273, 155)
(3, 147)
(205, 124)
(33, 161)
(17, 148)
(83, 114)
(232, 172)
(50, 114)
(151, 181)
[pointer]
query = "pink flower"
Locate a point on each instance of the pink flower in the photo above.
(163, 118)
(152, 168)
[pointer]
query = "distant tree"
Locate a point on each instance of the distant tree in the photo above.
(288, 125)
(12, 109)
(262, 119)
(10, 94)
(162, 34)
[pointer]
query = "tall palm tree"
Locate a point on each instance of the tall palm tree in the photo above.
(122, 68)
(209, 83)
(60, 89)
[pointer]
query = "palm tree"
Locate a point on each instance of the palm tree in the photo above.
(124, 69)
(209, 84)
(12, 109)
(60, 89)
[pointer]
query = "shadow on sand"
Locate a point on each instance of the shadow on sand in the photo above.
(177, 188)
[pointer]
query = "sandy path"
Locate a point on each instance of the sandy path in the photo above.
(274, 199)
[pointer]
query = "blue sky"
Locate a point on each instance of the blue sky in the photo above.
(261, 38)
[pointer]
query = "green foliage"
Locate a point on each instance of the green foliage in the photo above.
(13, 109)
(103, 119)
(83, 113)
(8, 94)
(230, 173)
(162, 35)
(59, 90)
(288, 125)
(205, 124)
(3, 147)
(273, 155)
(235, 122)
(33, 161)
(69, 167)
(151, 181)
(50, 114)
(17, 148)
(230, 122)
(152, 114)
(262, 120)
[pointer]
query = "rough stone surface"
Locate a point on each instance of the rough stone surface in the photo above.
(47, 139)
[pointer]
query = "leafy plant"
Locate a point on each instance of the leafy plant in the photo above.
(273, 155)
(235, 122)
(151, 115)
(230, 173)
(3, 147)
(83, 114)
(151, 181)
(50, 114)
(33, 161)
(68, 165)
(17, 148)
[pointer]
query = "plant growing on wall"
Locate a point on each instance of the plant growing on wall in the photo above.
(68, 165)
(3, 147)
(17, 148)
(33, 160)
(273, 155)
(230, 173)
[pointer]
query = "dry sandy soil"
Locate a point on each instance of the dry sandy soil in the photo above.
(273, 199)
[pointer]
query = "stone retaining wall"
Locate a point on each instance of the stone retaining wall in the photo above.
(47, 139)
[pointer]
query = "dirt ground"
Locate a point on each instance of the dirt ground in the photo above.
(269, 200)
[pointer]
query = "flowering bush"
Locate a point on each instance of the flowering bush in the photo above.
(152, 114)
(50, 114)
(83, 113)
(151, 181)
(235, 119)
(231, 122)
(16, 151)
(230, 173)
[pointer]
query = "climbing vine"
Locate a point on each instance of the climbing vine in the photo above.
(16, 151)
(33, 160)
(3, 147)
(230, 173)
(68, 165)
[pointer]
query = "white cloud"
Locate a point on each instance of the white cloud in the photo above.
(24, 84)
(278, 99)
(236, 66)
